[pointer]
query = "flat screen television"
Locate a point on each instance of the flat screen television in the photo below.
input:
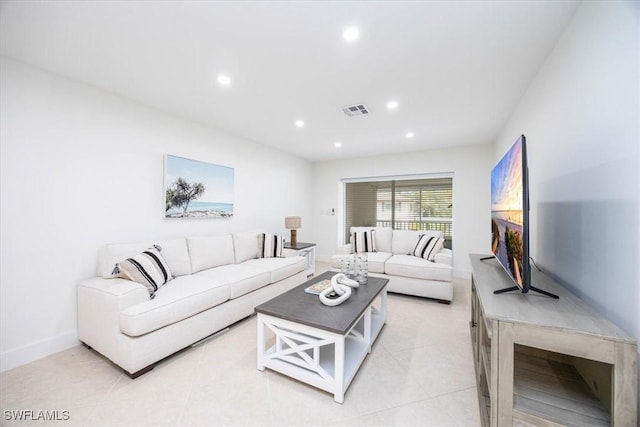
(510, 217)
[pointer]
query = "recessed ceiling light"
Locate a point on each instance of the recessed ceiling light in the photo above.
(409, 135)
(224, 80)
(392, 105)
(299, 123)
(338, 144)
(351, 34)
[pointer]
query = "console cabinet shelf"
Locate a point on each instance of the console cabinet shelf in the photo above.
(547, 362)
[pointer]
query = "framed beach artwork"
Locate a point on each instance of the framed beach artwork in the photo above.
(195, 189)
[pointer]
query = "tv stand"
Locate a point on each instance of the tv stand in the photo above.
(516, 288)
(548, 362)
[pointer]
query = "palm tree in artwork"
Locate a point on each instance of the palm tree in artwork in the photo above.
(495, 236)
(514, 245)
(181, 193)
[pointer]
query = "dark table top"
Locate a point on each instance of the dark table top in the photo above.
(298, 306)
(299, 245)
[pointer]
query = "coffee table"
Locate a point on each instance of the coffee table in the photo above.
(320, 345)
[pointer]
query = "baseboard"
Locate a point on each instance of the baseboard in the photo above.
(28, 353)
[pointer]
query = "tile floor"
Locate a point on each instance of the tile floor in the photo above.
(420, 372)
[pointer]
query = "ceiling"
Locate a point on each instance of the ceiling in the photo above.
(457, 69)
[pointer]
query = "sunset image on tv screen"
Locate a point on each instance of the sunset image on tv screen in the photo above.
(507, 211)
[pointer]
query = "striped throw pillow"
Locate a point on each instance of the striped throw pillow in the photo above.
(148, 268)
(364, 241)
(270, 245)
(428, 247)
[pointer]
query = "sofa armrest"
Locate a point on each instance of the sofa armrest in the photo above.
(121, 293)
(445, 256)
(344, 249)
(100, 302)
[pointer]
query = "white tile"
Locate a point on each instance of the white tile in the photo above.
(296, 403)
(230, 402)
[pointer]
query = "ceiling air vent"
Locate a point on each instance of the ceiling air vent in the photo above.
(355, 110)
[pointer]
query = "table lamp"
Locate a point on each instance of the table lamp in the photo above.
(292, 223)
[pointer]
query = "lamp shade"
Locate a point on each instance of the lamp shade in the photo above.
(292, 222)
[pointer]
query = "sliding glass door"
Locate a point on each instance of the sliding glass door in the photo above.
(402, 204)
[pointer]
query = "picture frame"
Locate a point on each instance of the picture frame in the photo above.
(197, 189)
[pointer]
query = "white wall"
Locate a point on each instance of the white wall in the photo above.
(581, 117)
(471, 166)
(81, 168)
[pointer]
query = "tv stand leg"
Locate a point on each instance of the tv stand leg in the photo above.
(540, 291)
(503, 290)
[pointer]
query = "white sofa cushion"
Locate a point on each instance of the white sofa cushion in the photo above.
(405, 241)
(246, 245)
(279, 268)
(179, 299)
(445, 256)
(384, 236)
(240, 278)
(210, 251)
(375, 261)
(174, 252)
(418, 268)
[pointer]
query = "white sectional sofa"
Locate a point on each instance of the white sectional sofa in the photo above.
(218, 280)
(407, 274)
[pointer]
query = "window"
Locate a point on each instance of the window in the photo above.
(407, 204)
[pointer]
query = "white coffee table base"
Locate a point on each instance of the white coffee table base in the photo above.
(323, 359)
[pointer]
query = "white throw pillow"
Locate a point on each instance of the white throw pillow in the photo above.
(364, 241)
(270, 245)
(428, 247)
(404, 241)
(112, 253)
(382, 236)
(148, 268)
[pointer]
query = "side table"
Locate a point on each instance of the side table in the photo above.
(307, 250)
